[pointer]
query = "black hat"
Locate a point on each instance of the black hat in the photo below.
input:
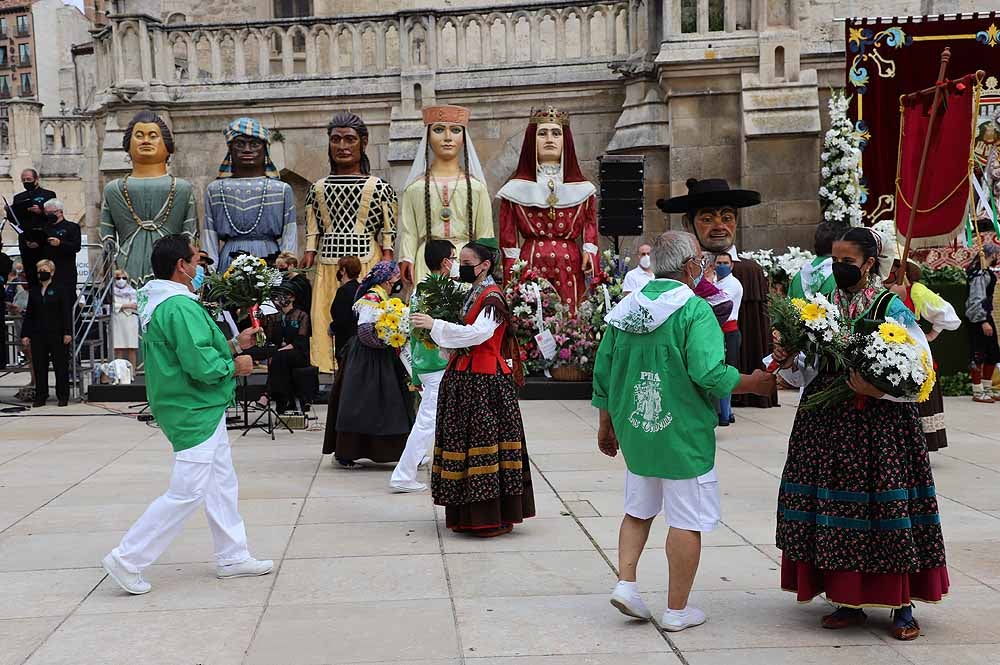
(711, 193)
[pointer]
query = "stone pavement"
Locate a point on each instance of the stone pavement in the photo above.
(365, 576)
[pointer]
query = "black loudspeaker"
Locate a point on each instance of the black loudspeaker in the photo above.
(620, 212)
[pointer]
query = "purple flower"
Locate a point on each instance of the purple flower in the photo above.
(564, 354)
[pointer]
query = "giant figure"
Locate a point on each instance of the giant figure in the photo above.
(711, 210)
(147, 204)
(550, 203)
(248, 209)
(348, 213)
(445, 196)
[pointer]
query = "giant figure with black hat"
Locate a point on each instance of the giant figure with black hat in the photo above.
(711, 210)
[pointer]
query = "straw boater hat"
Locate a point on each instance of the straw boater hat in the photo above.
(710, 193)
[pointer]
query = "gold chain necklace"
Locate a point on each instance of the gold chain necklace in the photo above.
(151, 225)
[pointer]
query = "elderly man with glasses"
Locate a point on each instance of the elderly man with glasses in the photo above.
(659, 368)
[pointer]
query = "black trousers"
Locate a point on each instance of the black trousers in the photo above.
(279, 376)
(44, 349)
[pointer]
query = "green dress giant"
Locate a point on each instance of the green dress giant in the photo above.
(139, 211)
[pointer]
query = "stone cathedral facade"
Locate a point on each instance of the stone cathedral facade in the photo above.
(702, 88)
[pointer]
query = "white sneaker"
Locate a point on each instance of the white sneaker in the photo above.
(249, 568)
(408, 487)
(629, 602)
(676, 620)
(131, 582)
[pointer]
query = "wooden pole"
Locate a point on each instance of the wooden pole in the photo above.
(939, 92)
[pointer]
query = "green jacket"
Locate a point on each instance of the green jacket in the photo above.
(818, 276)
(657, 372)
(424, 360)
(189, 371)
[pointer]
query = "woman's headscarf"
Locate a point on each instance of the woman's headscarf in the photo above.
(381, 272)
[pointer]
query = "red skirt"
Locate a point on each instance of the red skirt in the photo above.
(852, 589)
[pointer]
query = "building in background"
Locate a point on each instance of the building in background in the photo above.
(17, 39)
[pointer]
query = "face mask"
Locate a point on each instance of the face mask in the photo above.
(121, 283)
(28, 186)
(467, 274)
(396, 288)
(51, 218)
(44, 275)
(199, 278)
(455, 271)
(846, 275)
(723, 271)
(645, 262)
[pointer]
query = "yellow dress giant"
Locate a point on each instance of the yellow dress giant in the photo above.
(457, 229)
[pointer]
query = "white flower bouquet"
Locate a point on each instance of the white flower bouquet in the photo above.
(245, 285)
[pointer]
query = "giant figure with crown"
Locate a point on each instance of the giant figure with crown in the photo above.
(551, 205)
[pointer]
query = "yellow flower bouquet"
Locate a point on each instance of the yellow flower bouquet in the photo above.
(393, 325)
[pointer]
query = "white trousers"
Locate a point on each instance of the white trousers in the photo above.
(202, 474)
(421, 439)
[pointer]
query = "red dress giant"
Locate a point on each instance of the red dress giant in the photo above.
(552, 209)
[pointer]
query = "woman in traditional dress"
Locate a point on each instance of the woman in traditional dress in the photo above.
(982, 325)
(857, 514)
(288, 333)
(480, 471)
(939, 313)
(550, 204)
(371, 407)
(125, 322)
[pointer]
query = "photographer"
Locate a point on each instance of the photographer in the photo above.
(28, 209)
(47, 330)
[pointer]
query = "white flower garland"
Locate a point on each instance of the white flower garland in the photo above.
(840, 193)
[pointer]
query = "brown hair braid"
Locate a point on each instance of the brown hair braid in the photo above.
(427, 183)
(468, 187)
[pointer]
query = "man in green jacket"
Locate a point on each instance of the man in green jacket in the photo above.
(658, 370)
(190, 380)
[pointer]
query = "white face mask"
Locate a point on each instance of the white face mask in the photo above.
(453, 273)
(645, 262)
(121, 283)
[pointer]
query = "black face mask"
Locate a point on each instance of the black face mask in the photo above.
(51, 218)
(467, 273)
(846, 275)
(28, 186)
(396, 288)
(44, 275)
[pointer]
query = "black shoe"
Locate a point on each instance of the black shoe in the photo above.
(732, 419)
(723, 422)
(64, 402)
(38, 403)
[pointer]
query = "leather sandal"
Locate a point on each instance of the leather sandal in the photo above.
(834, 622)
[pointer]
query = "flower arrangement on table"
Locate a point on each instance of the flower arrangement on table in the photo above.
(577, 345)
(605, 293)
(245, 285)
(520, 292)
(393, 325)
(440, 297)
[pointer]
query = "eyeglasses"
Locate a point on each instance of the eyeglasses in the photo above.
(702, 261)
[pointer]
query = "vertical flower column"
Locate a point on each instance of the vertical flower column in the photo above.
(840, 193)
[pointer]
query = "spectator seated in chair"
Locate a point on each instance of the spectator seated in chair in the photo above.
(288, 346)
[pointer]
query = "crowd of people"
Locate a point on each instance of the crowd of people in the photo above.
(857, 517)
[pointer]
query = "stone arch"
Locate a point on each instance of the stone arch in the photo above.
(345, 48)
(520, 22)
(548, 22)
(417, 46)
(368, 35)
(176, 18)
(474, 42)
(779, 63)
(300, 190)
(322, 39)
(599, 38)
(448, 45)
(48, 137)
(130, 44)
(180, 47)
(4, 137)
(392, 46)
(299, 36)
(622, 46)
(573, 33)
(202, 66)
(227, 52)
(252, 40)
(498, 28)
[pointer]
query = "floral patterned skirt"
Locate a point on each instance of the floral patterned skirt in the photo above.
(480, 471)
(857, 513)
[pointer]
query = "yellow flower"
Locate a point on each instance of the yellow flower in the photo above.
(396, 340)
(381, 329)
(395, 304)
(893, 333)
(812, 312)
(381, 305)
(390, 319)
(262, 262)
(799, 303)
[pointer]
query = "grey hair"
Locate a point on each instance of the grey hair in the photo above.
(671, 250)
(54, 203)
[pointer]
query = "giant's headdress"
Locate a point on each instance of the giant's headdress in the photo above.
(253, 129)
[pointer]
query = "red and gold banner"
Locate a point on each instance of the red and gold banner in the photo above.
(945, 186)
(890, 58)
